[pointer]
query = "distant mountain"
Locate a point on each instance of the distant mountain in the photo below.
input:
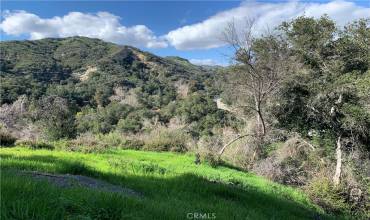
(79, 59)
(104, 83)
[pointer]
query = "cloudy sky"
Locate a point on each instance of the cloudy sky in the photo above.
(190, 29)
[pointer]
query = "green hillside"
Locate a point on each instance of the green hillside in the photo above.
(94, 78)
(171, 185)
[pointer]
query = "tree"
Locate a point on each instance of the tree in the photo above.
(260, 65)
(56, 117)
(329, 101)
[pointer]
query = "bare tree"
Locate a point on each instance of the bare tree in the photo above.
(260, 65)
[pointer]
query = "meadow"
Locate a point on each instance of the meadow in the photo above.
(171, 186)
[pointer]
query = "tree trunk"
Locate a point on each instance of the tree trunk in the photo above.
(338, 169)
(261, 122)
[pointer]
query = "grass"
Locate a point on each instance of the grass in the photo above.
(171, 184)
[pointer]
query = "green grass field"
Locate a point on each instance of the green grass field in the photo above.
(171, 184)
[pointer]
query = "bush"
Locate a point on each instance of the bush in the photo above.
(293, 162)
(6, 139)
(137, 166)
(112, 139)
(56, 117)
(208, 147)
(35, 145)
(212, 159)
(167, 140)
(135, 144)
(130, 124)
(329, 197)
(242, 153)
(118, 140)
(90, 143)
(86, 143)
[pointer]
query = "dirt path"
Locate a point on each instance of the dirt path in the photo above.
(68, 180)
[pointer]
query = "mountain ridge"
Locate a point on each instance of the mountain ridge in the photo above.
(56, 60)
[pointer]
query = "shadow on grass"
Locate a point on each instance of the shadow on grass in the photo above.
(229, 165)
(171, 197)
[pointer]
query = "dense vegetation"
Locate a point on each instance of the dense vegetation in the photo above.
(103, 87)
(294, 107)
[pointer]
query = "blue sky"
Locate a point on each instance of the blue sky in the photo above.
(190, 29)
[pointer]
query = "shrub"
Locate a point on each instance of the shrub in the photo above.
(200, 110)
(118, 140)
(130, 124)
(35, 145)
(86, 143)
(208, 147)
(323, 193)
(137, 166)
(6, 139)
(56, 117)
(135, 144)
(293, 162)
(103, 119)
(112, 139)
(212, 159)
(242, 153)
(164, 139)
(90, 143)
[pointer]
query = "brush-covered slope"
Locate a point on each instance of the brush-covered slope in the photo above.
(93, 75)
(33, 65)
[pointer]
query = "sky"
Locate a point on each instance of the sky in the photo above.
(189, 29)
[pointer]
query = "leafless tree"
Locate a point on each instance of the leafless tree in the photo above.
(260, 66)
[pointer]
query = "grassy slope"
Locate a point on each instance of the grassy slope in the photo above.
(172, 186)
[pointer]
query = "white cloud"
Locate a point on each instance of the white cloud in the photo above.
(102, 25)
(208, 33)
(206, 62)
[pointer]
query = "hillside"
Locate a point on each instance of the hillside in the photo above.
(78, 59)
(93, 77)
(170, 185)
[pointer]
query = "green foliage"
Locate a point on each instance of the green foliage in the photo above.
(55, 116)
(327, 196)
(201, 112)
(327, 94)
(212, 159)
(353, 46)
(291, 110)
(138, 167)
(357, 121)
(311, 38)
(101, 120)
(155, 94)
(133, 123)
(98, 143)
